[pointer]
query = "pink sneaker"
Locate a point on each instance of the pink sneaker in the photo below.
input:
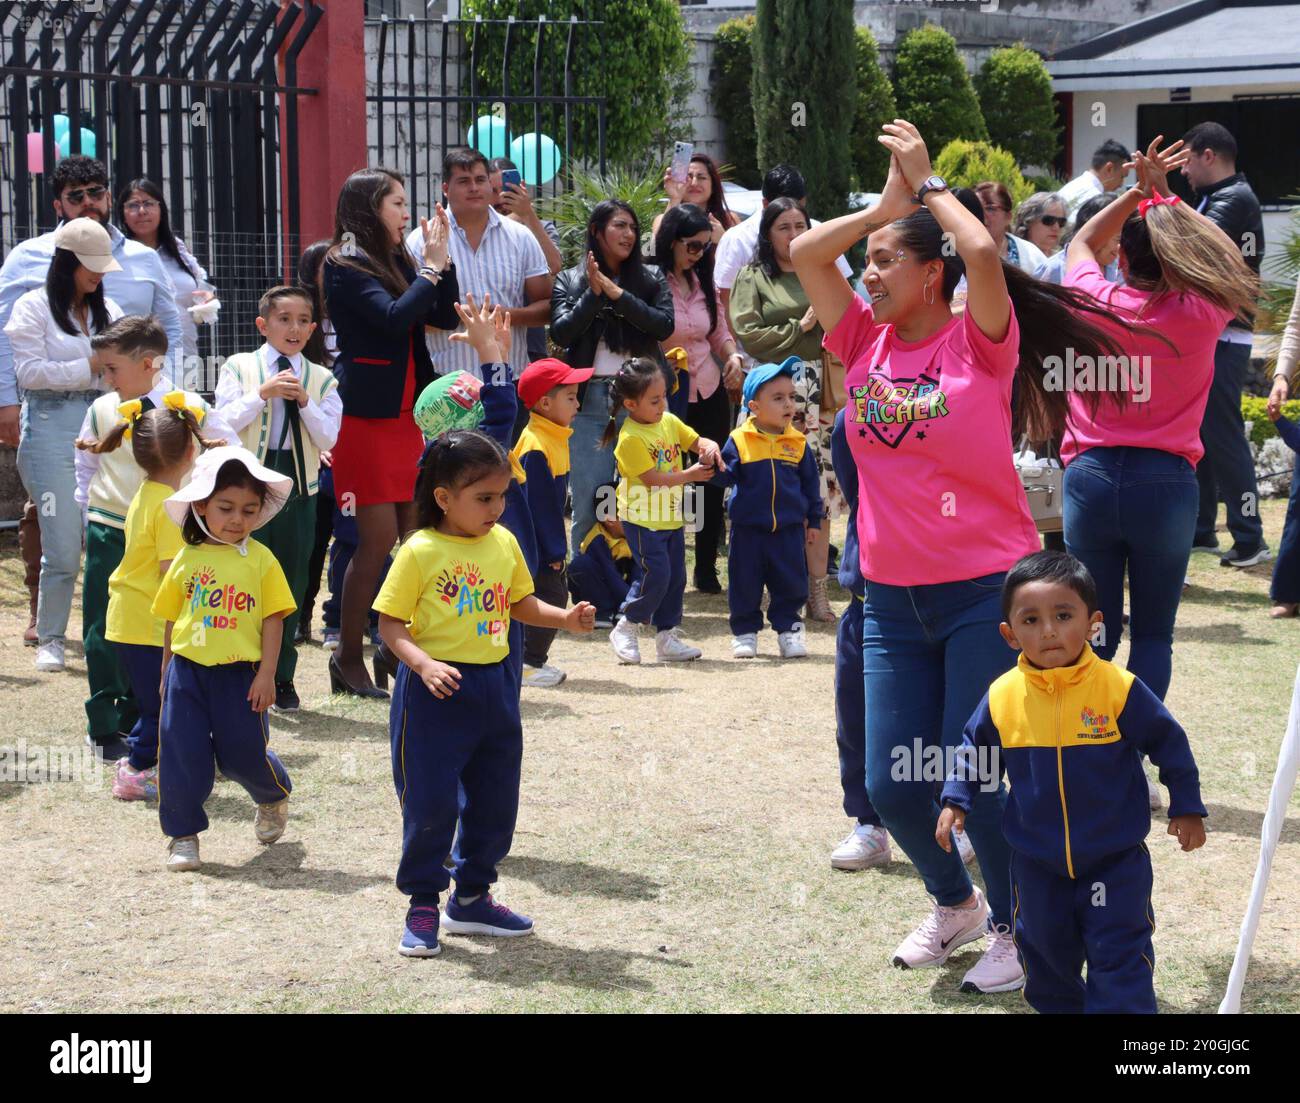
(941, 932)
(129, 784)
(999, 969)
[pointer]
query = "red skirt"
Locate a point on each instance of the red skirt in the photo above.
(377, 459)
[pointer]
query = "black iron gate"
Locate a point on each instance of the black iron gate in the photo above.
(426, 83)
(186, 93)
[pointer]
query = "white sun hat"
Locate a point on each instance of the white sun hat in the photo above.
(90, 241)
(204, 477)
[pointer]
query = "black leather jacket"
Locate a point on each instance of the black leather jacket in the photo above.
(1234, 208)
(636, 322)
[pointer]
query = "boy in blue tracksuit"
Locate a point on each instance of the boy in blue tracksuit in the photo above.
(1070, 729)
(868, 844)
(548, 388)
(604, 569)
(774, 508)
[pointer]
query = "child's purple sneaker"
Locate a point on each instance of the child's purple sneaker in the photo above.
(420, 938)
(484, 916)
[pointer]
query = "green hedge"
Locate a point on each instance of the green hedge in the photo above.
(733, 103)
(934, 90)
(875, 106)
(965, 164)
(1015, 97)
(1255, 409)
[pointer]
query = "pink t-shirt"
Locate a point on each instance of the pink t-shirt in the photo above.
(929, 425)
(1167, 387)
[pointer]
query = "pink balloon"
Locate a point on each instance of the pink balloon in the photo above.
(35, 152)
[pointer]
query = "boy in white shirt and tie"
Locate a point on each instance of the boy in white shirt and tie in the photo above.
(287, 411)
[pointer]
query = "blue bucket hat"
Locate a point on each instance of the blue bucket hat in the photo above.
(765, 373)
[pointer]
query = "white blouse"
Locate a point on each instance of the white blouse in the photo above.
(185, 284)
(46, 358)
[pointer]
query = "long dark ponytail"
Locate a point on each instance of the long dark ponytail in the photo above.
(1052, 319)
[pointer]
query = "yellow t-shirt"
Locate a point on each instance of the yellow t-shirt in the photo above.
(643, 448)
(218, 600)
(152, 538)
(454, 593)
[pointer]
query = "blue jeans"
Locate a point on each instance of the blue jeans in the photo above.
(1285, 588)
(589, 465)
(1134, 508)
(1226, 472)
(929, 654)
(48, 425)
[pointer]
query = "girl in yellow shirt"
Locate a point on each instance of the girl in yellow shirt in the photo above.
(445, 611)
(164, 441)
(652, 444)
(224, 600)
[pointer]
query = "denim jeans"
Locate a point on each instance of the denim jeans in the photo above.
(589, 465)
(929, 654)
(1226, 472)
(49, 423)
(1285, 588)
(1134, 508)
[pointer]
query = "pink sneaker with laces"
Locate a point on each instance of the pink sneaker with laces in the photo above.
(940, 933)
(999, 968)
(129, 784)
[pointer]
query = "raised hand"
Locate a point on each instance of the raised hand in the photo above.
(904, 141)
(437, 234)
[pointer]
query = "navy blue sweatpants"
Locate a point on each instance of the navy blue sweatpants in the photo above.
(1103, 918)
(143, 666)
(456, 757)
(851, 715)
(207, 722)
(758, 557)
(595, 578)
(656, 597)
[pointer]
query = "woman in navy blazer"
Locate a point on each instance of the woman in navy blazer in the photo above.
(379, 307)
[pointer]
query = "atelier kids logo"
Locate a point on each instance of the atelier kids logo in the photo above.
(463, 587)
(203, 595)
(888, 407)
(1096, 724)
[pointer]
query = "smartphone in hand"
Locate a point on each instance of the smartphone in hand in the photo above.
(681, 160)
(510, 176)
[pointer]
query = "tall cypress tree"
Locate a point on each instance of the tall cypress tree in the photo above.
(805, 94)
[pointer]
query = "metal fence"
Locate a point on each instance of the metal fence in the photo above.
(185, 93)
(426, 86)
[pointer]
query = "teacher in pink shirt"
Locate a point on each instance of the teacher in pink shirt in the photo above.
(684, 252)
(942, 513)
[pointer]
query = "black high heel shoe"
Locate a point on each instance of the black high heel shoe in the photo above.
(339, 684)
(384, 664)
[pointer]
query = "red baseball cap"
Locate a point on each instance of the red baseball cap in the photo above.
(541, 375)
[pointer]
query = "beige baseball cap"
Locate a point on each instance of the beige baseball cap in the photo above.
(90, 241)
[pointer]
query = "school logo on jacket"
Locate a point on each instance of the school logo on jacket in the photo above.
(888, 407)
(1096, 725)
(218, 605)
(464, 588)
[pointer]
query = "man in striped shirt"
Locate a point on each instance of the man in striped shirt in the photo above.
(493, 255)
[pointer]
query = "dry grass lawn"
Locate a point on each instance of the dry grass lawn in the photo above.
(673, 847)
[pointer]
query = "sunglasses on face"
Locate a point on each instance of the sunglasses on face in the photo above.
(694, 248)
(1053, 220)
(97, 192)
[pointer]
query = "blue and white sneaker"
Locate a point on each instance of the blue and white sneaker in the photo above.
(484, 916)
(420, 938)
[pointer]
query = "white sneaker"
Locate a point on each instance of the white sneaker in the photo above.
(183, 854)
(270, 821)
(744, 646)
(544, 676)
(964, 848)
(49, 656)
(791, 643)
(999, 968)
(622, 638)
(866, 846)
(1154, 799)
(671, 648)
(940, 933)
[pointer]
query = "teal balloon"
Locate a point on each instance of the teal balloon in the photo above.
(62, 124)
(527, 149)
(489, 136)
(64, 144)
